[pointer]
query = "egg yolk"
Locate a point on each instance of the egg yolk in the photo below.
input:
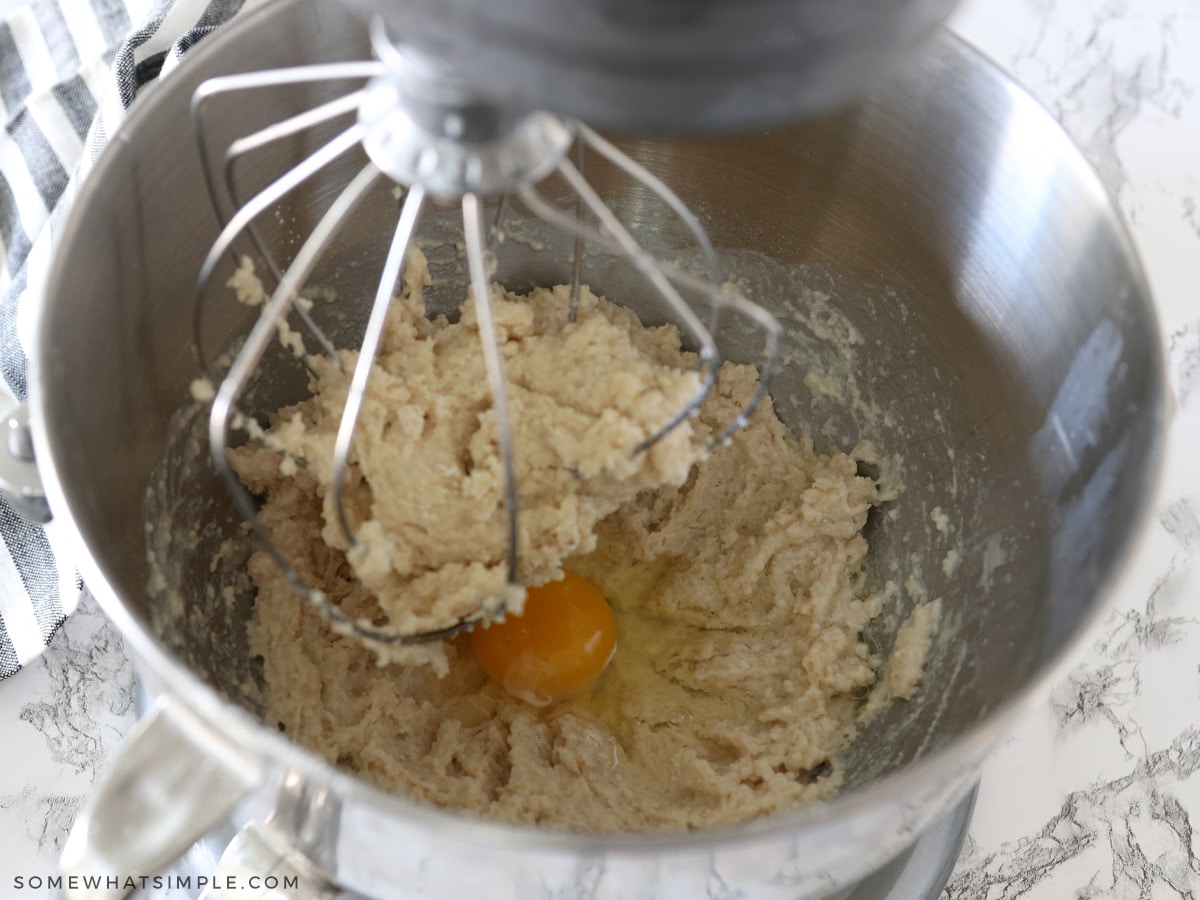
(558, 646)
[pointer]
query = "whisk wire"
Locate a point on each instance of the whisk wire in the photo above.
(709, 358)
(243, 146)
(393, 268)
(723, 301)
(578, 248)
(225, 402)
(254, 207)
(713, 293)
(648, 179)
(224, 406)
(215, 87)
(474, 237)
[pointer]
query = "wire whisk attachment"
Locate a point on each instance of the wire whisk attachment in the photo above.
(442, 144)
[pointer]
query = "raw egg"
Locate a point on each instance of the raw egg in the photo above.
(558, 646)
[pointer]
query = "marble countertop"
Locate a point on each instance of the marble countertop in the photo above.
(1092, 794)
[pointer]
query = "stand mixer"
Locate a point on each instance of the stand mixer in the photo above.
(202, 763)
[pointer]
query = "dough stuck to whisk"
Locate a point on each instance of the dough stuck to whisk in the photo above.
(741, 672)
(425, 487)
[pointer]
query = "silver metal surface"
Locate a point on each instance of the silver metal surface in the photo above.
(457, 145)
(20, 483)
(285, 856)
(922, 871)
(667, 65)
(1004, 334)
(174, 780)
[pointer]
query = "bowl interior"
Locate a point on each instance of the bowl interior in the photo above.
(954, 284)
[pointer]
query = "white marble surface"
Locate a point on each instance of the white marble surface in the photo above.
(1092, 795)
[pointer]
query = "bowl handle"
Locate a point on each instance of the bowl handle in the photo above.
(175, 779)
(20, 483)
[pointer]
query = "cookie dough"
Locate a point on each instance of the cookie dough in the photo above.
(740, 673)
(424, 493)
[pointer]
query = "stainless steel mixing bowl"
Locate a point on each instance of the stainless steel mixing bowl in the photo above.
(1007, 350)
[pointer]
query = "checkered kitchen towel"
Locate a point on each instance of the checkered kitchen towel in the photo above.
(69, 72)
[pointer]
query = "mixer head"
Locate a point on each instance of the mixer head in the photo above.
(666, 65)
(428, 131)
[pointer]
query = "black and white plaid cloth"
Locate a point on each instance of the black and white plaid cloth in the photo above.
(69, 72)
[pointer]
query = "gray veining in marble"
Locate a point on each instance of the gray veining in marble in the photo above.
(46, 817)
(92, 690)
(1184, 352)
(74, 706)
(1130, 835)
(1105, 826)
